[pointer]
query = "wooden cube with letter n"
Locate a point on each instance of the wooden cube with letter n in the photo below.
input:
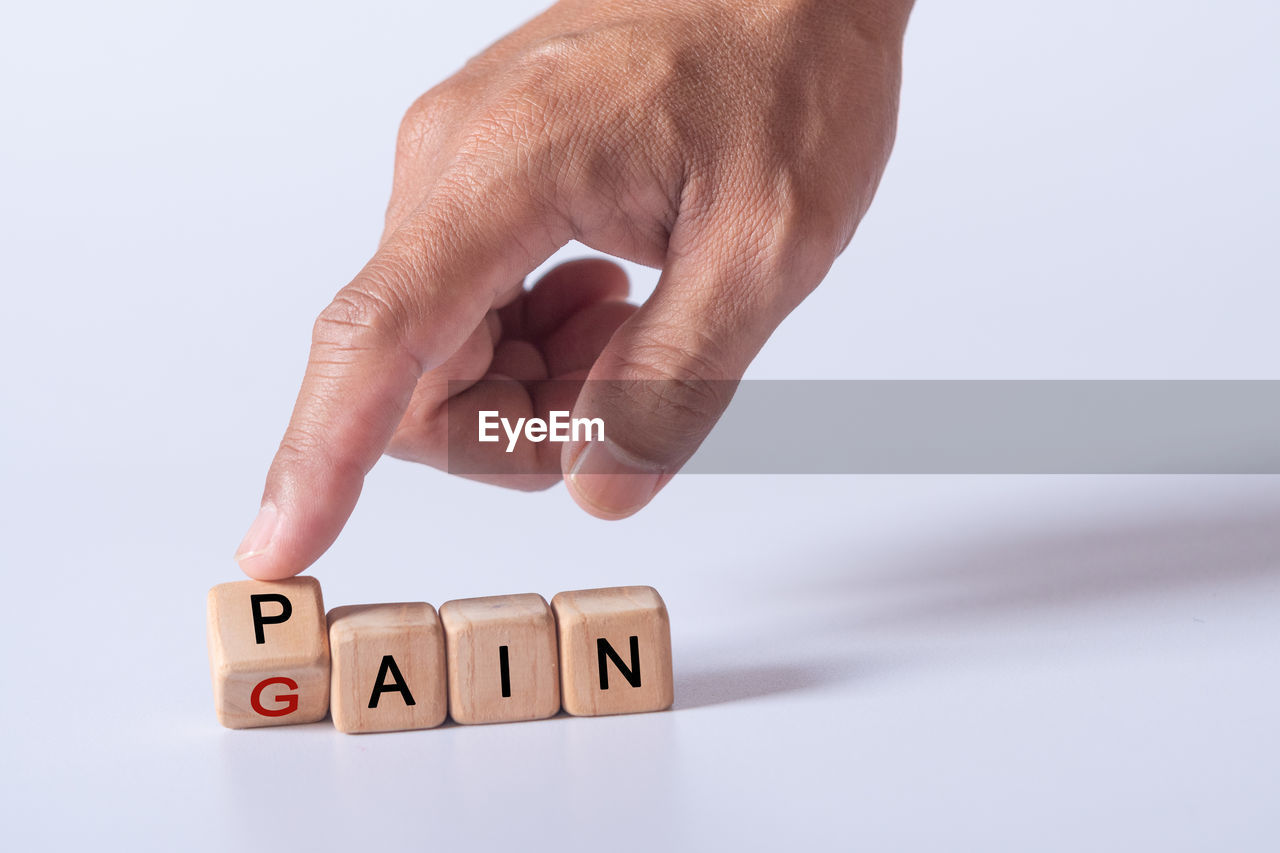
(615, 651)
(269, 652)
(388, 667)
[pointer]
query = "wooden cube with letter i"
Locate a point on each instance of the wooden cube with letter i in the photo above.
(269, 652)
(615, 651)
(502, 659)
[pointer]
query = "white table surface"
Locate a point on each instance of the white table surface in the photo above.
(985, 663)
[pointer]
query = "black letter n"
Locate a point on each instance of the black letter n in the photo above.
(606, 652)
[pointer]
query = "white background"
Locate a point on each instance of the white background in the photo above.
(1080, 190)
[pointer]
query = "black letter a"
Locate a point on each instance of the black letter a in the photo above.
(397, 686)
(606, 651)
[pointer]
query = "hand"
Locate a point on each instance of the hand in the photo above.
(735, 144)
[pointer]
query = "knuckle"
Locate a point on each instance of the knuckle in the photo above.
(677, 377)
(304, 446)
(415, 117)
(550, 61)
(507, 125)
(535, 107)
(359, 318)
(425, 116)
(496, 149)
(502, 154)
(300, 442)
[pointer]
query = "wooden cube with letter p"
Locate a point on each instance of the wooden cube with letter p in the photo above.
(269, 652)
(388, 667)
(615, 651)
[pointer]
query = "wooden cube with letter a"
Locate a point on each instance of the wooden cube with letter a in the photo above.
(502, 659)
(615, 651)
(269, 652)
(388, 667)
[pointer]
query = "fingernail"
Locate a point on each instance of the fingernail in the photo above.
(612, 481)
(258, 539)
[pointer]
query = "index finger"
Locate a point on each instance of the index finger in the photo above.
(410, 307)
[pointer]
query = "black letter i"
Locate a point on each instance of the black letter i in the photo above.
(504, 666)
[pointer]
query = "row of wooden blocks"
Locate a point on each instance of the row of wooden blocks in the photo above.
(277, 660)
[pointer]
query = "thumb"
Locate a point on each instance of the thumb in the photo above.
(670, 371)
(410, 308)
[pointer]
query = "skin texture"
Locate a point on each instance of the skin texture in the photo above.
(733, 144)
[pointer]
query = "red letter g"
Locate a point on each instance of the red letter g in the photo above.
(290, 700)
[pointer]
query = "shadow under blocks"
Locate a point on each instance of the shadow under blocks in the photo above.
(277, 659)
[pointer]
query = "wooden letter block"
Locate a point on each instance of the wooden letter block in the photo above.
(388, 667)
(269, 652)
(615, 651)
(502, 657)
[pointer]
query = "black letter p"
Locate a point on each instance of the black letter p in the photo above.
(286, 610)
